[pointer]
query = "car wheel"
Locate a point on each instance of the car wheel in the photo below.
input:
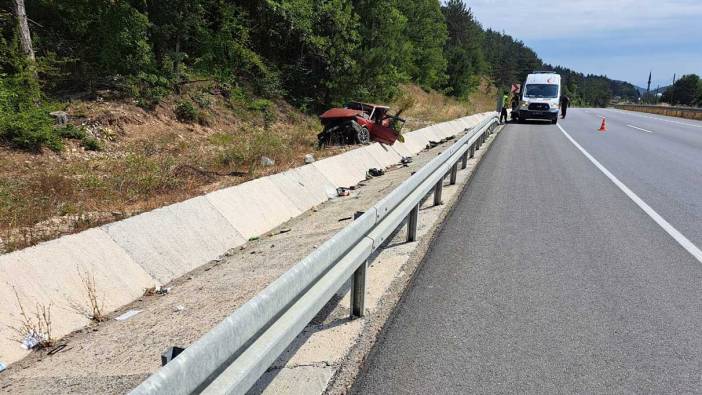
(554, 121)
(362, 134)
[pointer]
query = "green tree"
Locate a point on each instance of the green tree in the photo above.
(463, 49)
(385, 51)
(686, 91)
(426, 31)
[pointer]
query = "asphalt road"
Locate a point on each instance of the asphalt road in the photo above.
(549, 278)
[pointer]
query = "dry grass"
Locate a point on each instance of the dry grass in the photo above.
(422, 108)
(151, 159)
(36, 325)
(93, 306)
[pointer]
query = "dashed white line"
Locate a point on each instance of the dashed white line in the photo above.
(638, 128)
(679, 237)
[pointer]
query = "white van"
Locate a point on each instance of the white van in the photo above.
(540, 97)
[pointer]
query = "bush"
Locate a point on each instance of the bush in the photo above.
(186, 112)
(248, 151)
(90, 143)
(31, 129)
(71, 132)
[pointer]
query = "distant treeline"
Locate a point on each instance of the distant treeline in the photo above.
(687, 91)
(313, 53)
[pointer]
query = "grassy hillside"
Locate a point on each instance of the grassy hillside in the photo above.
(151, 158)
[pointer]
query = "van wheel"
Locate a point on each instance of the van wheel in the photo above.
(554, 121)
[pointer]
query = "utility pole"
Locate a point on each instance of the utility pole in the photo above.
(648, 88)
(25, 38)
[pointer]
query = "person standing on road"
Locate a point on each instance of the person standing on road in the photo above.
(503, 110)
(565, 102)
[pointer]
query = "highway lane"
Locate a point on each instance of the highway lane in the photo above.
(548, 278)
(662, 163)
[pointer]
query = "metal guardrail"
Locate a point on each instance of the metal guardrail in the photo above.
(234, 354)
(655, 107)
(680, 112)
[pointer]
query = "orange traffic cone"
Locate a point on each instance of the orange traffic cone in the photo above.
(603, 127)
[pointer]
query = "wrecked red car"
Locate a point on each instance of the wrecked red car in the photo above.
(359, 123)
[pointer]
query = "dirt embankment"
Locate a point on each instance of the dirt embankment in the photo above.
(201, 140)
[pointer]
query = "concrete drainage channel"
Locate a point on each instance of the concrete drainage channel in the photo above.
(233, 356)
(127, 257)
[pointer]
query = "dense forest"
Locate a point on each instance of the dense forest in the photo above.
(311, 53)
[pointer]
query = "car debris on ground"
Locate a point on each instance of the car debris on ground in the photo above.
(266, 161)
(128, 314)
(309, 158)
(374, 172)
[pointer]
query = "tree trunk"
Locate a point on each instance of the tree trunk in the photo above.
(25, 38)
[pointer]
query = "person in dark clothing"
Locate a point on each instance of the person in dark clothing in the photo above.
(565, 102)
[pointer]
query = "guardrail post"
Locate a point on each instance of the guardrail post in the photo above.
(472, 150)
(358, 291)
(464, 161)
(438, 189)
(454, 173)
(412, 224)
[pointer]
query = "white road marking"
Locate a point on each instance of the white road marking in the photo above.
(660, 119)
(679, 237)
(638, 128)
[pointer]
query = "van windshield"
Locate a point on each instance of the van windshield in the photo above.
(541, 90)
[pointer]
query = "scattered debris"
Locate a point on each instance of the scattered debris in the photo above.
(345, 219)
(357, 214)
(341, 191)
(253, 238)
(266, 161)
(2, 366)
(163, 291)
(179, 308)
(156, 291)
(56, 349)
(127, 315)
(284, 230)
(61, 117)
(32, 340)
(406, 160)
(170, 354)
(374, 172)
(309, 158)
(433, 144)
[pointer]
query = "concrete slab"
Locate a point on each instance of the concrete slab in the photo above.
(254, 207)
(342, 170)
(299, 380)
(402, 149)
(173, 240)
(455, 126)
(362, 156)
(383, 154)
(415, 143)
(430, 134)
(304, 186)
(50, 273)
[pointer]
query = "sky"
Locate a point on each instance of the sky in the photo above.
(623, 39)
